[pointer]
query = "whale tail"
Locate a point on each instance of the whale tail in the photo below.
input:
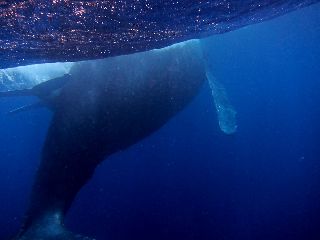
(48, 227)
(49, 232)
(27, 108)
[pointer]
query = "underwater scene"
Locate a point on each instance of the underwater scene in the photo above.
(162, 120)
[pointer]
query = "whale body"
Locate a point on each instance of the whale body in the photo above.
(105, 106)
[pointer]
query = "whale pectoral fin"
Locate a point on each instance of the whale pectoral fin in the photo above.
(27, 107)
(224, 109)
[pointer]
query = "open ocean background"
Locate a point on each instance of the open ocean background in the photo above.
(189, 180)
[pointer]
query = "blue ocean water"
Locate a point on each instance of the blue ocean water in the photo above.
(189, 180)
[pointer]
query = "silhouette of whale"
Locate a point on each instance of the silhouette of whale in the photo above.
(102, 107)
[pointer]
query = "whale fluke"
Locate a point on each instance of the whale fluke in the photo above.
(50, 88)
(47, 92)
(42, 90)
(49, 227)
(27, 108)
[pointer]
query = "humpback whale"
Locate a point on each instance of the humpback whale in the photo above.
(102, 107)
(108, 105)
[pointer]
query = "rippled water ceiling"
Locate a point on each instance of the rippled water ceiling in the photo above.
(37, 31)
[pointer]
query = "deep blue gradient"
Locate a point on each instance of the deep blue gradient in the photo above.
(189, 180)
